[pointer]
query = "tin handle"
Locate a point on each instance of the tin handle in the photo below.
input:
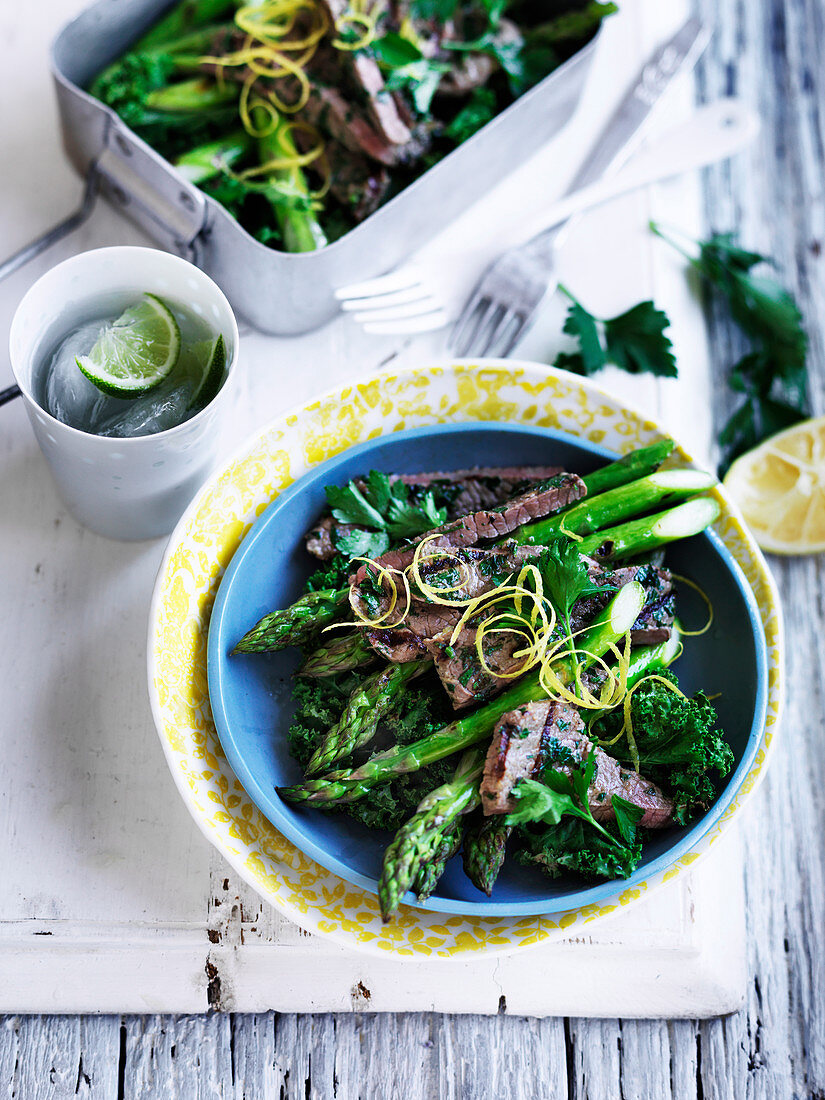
(46, 240)
(53, 235)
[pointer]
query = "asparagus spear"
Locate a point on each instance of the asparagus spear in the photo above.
(339, 655)
(625, 470)
(642, 535)
(485, 845)
(630, 467)
(206, 161)
(594, 512)
(429, 873)
(190, 96)
(424, 836)
(295, 624)
(289, 197)
(348, 785)
(485, 842)
(363, 711)
(181, 19)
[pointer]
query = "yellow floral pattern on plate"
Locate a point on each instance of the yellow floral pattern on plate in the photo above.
(207, 537)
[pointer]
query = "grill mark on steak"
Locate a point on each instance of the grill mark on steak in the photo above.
(519, 750)
(550, 730)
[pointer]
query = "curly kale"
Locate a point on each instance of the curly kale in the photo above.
(680, 747)
(332, 574)
(574, 845)
(557, 830)
(419, 712)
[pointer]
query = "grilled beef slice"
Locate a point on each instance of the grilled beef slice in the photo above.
(519, 750)
(543, 499)
(464, 490)
(529, 738)
(459, 670)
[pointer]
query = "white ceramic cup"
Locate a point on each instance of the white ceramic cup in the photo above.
(134, 488)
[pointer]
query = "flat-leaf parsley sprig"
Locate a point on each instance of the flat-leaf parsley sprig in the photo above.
(772, 377)
(382, 512)
(635, 341)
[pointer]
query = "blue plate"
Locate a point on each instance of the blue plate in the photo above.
(251, 693)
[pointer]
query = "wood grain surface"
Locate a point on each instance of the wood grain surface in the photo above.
(771, 53)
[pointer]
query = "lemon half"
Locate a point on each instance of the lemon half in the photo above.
(780, 487)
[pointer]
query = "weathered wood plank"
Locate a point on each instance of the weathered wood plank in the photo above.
(60, 1057)
(177, 1057)
(772, 55)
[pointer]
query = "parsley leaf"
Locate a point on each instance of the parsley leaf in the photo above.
(559, 794)
(396, 51)
(383, 513)
(349, 505)
(407, 67)
(759, 304)
(628, 816)
(773, 376)
(538, 802)
(406, 520)
(361, 543)
(634, 341)
(564, 575)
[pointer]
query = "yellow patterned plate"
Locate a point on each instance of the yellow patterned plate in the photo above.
(212, 529)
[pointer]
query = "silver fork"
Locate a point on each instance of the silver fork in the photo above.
(505, 300)
(423, 295)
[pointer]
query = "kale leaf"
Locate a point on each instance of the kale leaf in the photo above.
(420, 711)
(679, 745)
(479, 109)
(635, 341)
(332, 574)
(571, 838)
(573, 845)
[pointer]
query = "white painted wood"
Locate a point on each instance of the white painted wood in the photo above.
(113, 902)
(665, 957)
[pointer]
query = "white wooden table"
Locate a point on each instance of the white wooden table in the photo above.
(108, 886)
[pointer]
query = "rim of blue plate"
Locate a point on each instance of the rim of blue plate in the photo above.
(270, 803)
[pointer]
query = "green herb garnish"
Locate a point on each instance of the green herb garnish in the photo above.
(383, 511)
(634, 340)
(772, 377)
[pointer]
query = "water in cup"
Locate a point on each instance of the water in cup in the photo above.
(141, 370)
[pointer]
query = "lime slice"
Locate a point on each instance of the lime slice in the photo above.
(213, 364)
(780, 487)
(136, 352)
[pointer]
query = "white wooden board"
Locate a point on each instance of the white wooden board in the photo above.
(670, 955)
(112, 900)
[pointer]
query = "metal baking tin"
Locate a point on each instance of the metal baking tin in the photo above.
(279, 292)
